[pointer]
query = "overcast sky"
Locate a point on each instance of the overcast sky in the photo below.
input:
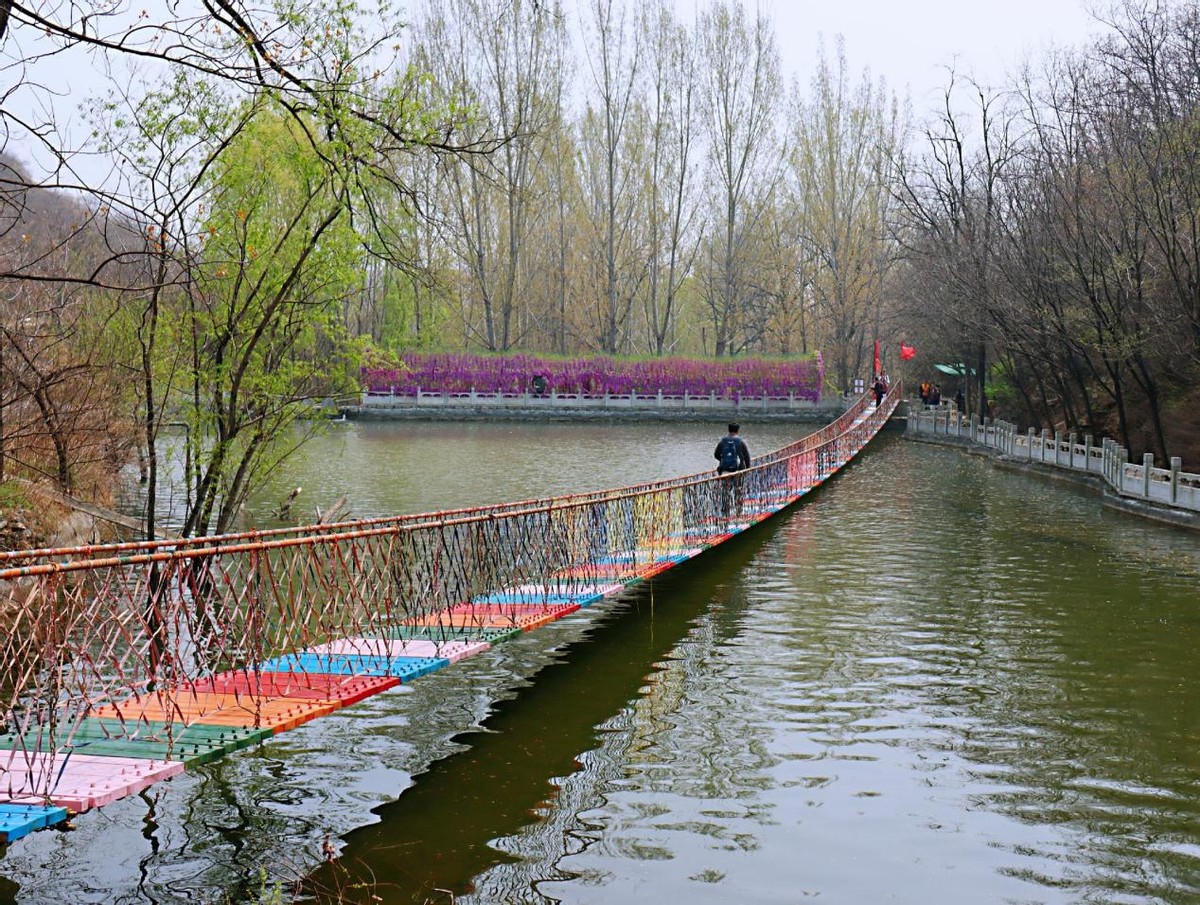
(911, 43)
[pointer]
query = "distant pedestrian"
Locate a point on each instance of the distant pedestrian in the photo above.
(960, 402)
(880, 388)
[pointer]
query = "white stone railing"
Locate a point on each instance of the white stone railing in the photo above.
(556, 400)
(1109, 461)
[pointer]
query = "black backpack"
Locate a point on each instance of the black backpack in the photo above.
(730, 461)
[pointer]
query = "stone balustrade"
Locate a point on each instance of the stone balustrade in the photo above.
(1107, 460)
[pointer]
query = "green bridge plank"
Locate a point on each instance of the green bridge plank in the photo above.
(108, 737)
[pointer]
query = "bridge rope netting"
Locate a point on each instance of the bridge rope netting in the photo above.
(123, 664)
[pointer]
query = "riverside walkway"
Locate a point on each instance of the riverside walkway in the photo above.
(122, 665)
(1165, 494)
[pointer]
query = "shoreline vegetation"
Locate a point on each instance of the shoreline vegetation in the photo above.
(800, 377)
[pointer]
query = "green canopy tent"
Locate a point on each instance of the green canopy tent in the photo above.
(958, 370)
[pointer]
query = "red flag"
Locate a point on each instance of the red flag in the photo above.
(907, 351)
(878, 362)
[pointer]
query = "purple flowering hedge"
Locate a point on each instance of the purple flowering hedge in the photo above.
(726, 377)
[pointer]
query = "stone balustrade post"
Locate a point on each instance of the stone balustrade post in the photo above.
(1057, 446)
(1045, 438)
(1071, 450)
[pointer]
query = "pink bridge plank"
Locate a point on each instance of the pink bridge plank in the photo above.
(77, 781)
(384, 647)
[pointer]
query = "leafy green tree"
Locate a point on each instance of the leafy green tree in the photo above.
(263, 302)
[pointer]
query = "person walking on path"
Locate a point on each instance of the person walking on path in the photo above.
(732, 455)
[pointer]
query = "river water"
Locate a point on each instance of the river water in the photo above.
(932, 681)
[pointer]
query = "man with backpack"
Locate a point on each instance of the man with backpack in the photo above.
(731, 452)
(732, 455)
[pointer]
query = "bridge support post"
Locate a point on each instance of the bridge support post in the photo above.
(1176, 467)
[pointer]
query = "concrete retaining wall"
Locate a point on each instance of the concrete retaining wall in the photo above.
(582, 407)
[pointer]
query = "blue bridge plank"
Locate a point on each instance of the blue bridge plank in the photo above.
(17, 820)
(404, 668)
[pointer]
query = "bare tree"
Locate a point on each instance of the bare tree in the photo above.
(612, 139)
(949, 205)
(669, 183)
(503, 61)
(845, 139)
(741, 90)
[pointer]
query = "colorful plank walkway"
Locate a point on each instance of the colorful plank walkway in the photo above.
(122, 747)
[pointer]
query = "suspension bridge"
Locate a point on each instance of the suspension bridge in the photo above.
(125, 664)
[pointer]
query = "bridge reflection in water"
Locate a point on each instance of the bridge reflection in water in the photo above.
(126, 664)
